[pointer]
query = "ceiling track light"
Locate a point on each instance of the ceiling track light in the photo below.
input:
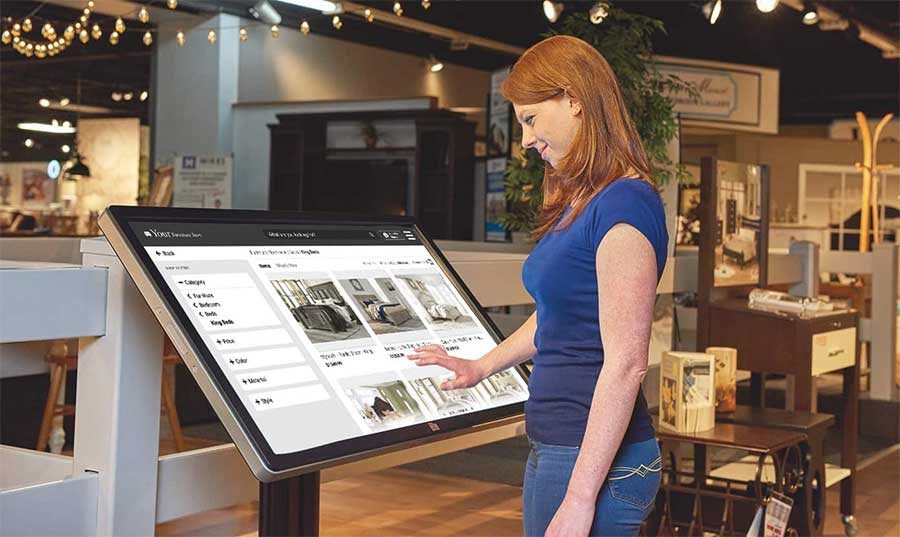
(263, 10)
(598, 12)
(810, 16)
(766, 6)
(435, 65)
(552, 10)
(712, 10)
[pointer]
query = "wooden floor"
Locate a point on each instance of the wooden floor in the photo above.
(402, 502)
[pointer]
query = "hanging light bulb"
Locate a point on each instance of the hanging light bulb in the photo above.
(336, 22)
(598, 12)
(116, 96)
(128, 96)
(17, 29)
(44, 102)
(69, 33)
(243, 34)
(275, 30)
(211, 37)
(398, 9)
(96, 32)
(26, 25)
(120, 25)
(144, 95)
(114, 38)
(426, 4)
(712, 10)
(304, 27)
(369, 15)
(172, 4)
(148, 38)
(87, 12)
(179, 37)
(64, 102)
(66, 124)
(766, 6)
(65, 148)
(44, 29)
(83, 36)
(7, 37)
(552, 10)
(90, 4)
(144, 15)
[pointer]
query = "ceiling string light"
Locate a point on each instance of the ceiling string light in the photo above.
(398, 9)
(336, 22)
(304, 27)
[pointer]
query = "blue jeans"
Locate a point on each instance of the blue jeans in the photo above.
(625, 499)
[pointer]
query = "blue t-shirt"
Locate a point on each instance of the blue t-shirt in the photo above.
(561, 276)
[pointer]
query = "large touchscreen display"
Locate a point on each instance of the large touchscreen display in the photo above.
(311, 325)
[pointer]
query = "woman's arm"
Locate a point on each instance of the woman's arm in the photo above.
(626, 288)
(513, 350)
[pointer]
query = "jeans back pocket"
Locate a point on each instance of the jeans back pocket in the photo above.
(636, 485)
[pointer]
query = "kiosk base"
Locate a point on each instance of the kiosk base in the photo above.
(290, 507)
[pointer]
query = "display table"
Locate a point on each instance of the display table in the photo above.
(700, 501)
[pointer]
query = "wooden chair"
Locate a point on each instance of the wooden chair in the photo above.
(60, 361)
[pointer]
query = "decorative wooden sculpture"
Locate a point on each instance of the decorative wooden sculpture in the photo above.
(870, 169)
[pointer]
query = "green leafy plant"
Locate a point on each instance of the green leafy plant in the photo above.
(625, 40)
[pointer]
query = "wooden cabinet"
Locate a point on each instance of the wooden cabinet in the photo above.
(420, 165)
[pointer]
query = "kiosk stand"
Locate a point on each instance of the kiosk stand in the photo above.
(290, 507)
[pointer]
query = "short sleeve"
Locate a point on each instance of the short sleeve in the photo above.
(630, 201)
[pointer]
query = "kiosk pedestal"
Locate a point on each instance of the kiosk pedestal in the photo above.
(290, 507)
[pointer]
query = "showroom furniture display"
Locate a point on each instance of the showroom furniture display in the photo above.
(697, 501)
(803, 347)
(422, 165)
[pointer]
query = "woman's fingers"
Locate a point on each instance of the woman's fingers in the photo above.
(432, 348)
(431, 358)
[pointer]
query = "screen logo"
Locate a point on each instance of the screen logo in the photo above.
(189, 163)
(157, 234)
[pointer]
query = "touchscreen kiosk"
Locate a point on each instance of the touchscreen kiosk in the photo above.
(297, 330)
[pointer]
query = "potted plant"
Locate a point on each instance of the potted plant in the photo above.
(369, 134)
(624, 39)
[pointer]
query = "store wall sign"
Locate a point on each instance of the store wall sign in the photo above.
(718, 93)
(731, 96)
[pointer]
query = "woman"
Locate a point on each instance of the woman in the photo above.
(594, 466)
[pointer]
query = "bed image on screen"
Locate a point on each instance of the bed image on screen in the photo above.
(384, 405)
(438, 301)
(384, 308)
(446, 402)
(320, 310)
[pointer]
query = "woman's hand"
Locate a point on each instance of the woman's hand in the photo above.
(468, 372)
(574, 518)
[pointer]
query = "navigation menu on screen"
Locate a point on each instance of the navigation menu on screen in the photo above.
(312, 326)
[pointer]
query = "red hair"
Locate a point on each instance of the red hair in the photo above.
(606, 147)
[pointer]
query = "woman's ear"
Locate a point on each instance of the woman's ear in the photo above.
(574, 104)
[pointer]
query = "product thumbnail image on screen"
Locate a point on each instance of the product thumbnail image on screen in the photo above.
(314, 336)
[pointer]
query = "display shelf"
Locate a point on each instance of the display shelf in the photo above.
(45, 301)
(744, 469)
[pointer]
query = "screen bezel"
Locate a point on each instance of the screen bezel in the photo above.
(328, 454)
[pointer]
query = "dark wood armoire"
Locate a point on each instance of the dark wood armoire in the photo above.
(416, 163)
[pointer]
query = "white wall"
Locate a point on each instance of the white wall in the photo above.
(295, 67)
